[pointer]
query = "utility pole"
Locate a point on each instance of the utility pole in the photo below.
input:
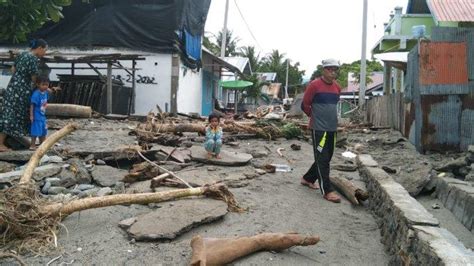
(286, 86)
(363, 63)
(224, 31)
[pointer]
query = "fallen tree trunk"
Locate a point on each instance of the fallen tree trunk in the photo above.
(42, 149)
(221, 251)
(68, 110)
(64, 209)
(354, 194)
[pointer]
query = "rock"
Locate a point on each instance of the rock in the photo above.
(83, 187)
(119, 187)
(68, 178)
(89, 167)
(139, 187)
(251, 175)
(107, 176)
(125, 224)
(345, 167)
(6, 167)
(40, 173)
(171, 221)
(75, 191)
(57, 190)
(44, 160)
(366, 160)
(54, 181)
(187, 144)
(389, 169)
(258, 153)
(435, 206)
(463, 171)
(100, 162)
(82, 174)
(16, 156)
(46, 188)
(89, 157)
(89, 193)
(104, 192)
(295, 147)
(260, 171)
(233, 144)
(470, 177)
(212, 168)
(228, 158)
(55, 159)
(452, 165)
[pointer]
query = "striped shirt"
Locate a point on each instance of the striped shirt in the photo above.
(320, 104)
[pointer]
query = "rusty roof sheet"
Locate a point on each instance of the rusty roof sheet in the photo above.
(452, 10)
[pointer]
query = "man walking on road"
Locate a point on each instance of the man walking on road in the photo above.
(320, 104)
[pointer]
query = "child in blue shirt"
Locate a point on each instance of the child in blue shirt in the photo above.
(39, 101)
(213, 141)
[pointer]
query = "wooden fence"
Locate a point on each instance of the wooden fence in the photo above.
(387, 111)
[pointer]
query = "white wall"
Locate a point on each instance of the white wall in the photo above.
(156, 67)
(189, 90)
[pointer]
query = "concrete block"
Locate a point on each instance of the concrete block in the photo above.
(468, 216)
(366, 160)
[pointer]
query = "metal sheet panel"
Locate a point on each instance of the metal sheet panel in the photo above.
(443, 63)
(467, 121)
(441, 122)
(444, 89)
(445, 34)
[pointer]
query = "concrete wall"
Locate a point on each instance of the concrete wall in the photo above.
(153, 77)
(189, 90)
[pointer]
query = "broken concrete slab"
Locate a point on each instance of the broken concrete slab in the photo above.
(172, 220)
(229, 158)
(139, 187)
(452, 165)
(125, 224)
(107, 176)
(414, 184)
(39, 174)
(6, 167)
(16, 156)
(103, 144)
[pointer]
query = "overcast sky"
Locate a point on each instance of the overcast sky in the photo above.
(306, 30)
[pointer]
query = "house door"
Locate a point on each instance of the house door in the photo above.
(207, 89)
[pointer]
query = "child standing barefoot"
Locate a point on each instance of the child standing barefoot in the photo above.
(213, 141)
(39, 101)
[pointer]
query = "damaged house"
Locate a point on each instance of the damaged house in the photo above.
(153, 61)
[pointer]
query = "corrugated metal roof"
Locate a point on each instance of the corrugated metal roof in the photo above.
(242, 63)
(377, 79)
(452, 10)
(267, 76)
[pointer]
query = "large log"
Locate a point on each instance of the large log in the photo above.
(222, 251)
(68, 110)
(354, 194)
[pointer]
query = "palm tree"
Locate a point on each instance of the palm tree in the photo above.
(254, 58)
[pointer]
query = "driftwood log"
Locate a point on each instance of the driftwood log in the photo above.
(354, 194)
(221, 251)
(68, 110)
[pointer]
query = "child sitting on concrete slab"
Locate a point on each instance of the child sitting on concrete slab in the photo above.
(213, 141)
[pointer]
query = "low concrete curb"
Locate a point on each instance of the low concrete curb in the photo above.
(410, 233)
(458, 197)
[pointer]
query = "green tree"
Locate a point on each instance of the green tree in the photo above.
(254, 57)
(231, 47)
(211, 46)
(354, 68)
(18, 18)
(276, 62)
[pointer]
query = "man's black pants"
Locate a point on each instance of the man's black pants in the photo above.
(323, 148)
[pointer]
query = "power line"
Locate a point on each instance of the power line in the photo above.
(247, 25)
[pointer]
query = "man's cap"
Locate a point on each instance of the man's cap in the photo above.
(331, 63)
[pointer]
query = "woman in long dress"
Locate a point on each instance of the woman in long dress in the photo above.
(14, 118)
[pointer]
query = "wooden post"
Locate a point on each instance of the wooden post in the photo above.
(131, 106)
(387, 75)
(72, 69)
(109, 87)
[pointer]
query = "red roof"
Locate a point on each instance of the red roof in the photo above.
(452, 10)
